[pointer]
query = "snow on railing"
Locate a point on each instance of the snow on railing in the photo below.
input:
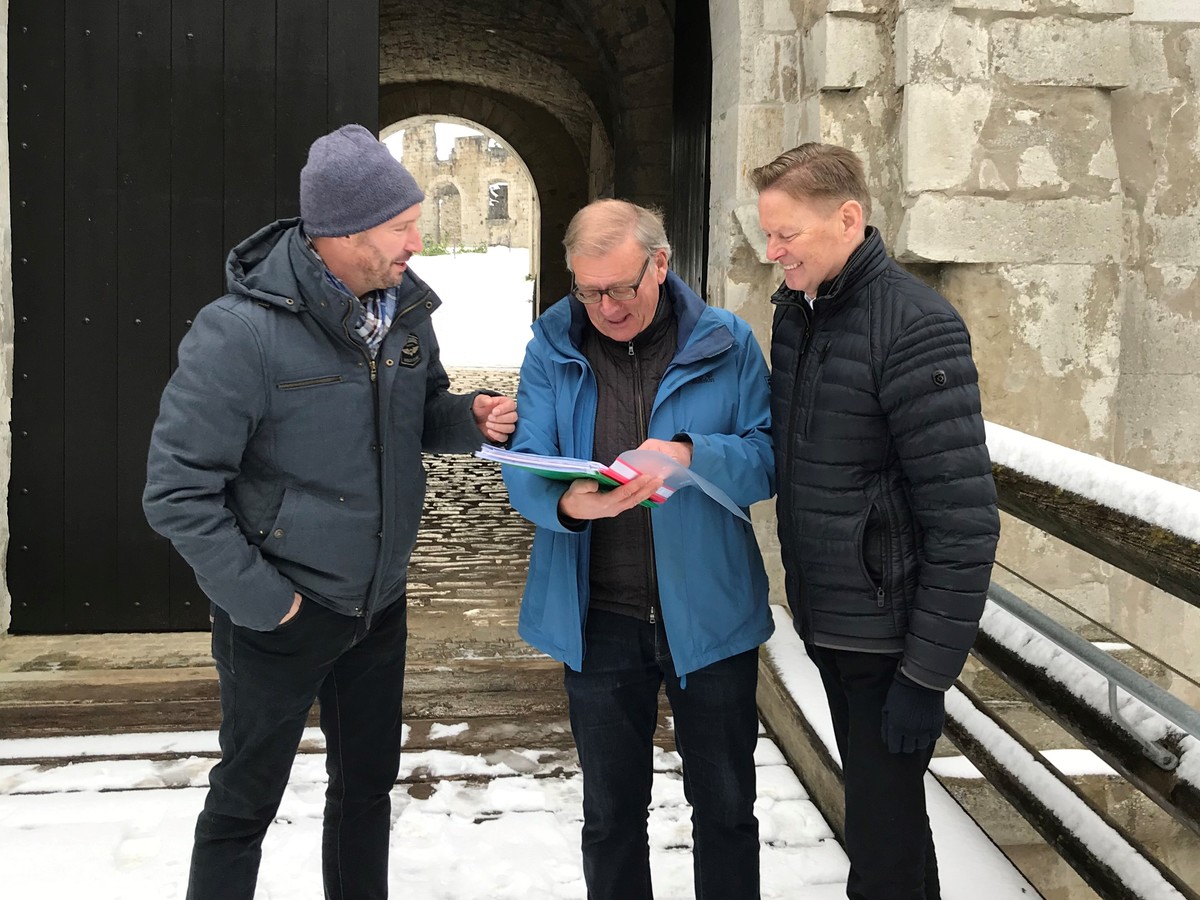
(1093, 687)
(1154, 500)
(1100, 838)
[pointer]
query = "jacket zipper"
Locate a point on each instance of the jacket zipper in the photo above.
(373, 369)
(651, 568)
(880, 595)
(885, 542)
(811, 399)
(795, 411)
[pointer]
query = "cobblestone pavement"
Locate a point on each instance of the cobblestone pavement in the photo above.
(468, 568)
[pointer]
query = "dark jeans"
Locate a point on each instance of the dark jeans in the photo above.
(887, 830)
(268, 683)
(614, 710)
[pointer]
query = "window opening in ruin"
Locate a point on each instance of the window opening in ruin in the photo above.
(497, 201)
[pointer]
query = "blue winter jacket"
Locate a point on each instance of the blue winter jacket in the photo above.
(711, 582)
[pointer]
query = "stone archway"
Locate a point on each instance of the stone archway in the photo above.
(548, 150)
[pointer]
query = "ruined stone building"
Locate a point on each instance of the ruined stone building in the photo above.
(480, 195)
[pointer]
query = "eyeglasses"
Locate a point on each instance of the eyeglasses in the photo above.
(620, 293)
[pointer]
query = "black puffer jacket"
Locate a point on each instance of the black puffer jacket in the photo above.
(887, 509)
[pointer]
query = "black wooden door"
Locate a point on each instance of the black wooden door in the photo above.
(692, 103)
(147, 137)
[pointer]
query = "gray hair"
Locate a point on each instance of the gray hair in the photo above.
(603, 225)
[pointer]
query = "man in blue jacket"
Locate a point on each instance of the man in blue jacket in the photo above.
(285, 466)
(628, 597)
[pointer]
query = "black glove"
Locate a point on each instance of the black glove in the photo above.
(913, 716)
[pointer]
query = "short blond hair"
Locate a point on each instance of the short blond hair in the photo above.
(812, 171)
(603, 225)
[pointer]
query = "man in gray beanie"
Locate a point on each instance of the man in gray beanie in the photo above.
(285, 467)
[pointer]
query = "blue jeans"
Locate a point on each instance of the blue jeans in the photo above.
(614, 710)
(269, 681)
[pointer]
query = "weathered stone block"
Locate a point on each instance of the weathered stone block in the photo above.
(940, 132)
(971, 5)
(777, 15)
(760, 140)
(1175, 239)
(1151, 61)
(811, 127)
(983, 229)
(1046, 142)
(1166, 11)
(727, 81)
(936, 45)
(725, 26)
(1062, 51)
(741, 140)
(772, 69)
(1099, 7)
(840, 53)
(746, 215)
(866, 7)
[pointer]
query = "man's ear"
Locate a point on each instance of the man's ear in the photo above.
(851, 216)
(661, 264)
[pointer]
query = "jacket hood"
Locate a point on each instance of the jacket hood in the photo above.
(262, 267)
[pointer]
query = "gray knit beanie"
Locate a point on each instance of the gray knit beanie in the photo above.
(352, 182)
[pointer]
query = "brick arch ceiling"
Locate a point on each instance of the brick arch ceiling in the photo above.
(543, 143)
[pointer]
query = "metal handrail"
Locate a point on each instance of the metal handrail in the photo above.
(1136, 685)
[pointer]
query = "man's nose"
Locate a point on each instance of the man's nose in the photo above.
(415, 244)
(775, 249)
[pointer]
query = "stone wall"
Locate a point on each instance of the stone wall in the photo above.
(472, 167)
(6, 321)
(1156, 125)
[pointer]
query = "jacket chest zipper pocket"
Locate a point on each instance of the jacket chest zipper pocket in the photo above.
(309, 382)
(810, 399)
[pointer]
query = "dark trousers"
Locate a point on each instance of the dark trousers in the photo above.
(887, 829)
(614, 710)
(268, 682)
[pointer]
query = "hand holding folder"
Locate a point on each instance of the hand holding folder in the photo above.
(624, 468)
(566, 468)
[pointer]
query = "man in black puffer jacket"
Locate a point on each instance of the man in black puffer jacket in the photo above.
(887, 510)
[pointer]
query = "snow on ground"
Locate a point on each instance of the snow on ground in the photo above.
(487, 306)
(502, 827)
